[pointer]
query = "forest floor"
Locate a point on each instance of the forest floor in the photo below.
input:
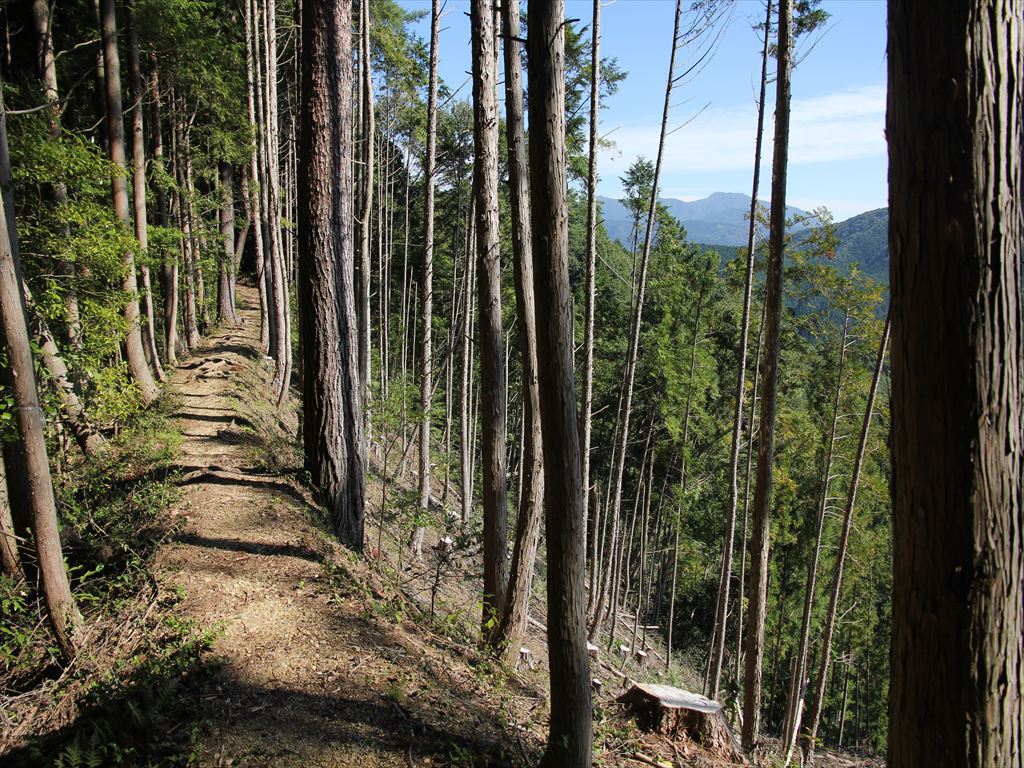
(295, 652)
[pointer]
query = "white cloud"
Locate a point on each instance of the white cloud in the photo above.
(846, 125)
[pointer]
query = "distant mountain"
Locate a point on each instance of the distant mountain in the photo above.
(864, 239)
(719, 219)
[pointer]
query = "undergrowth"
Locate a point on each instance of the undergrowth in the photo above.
(113, 514)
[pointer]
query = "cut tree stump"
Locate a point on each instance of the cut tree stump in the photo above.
(674, 712)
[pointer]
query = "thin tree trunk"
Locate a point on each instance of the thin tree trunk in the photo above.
(427, 359)
(746, 499)
(570, 735)
(169, 266)
(591, 287)
(19, 378)
(226, 289)
(791, 722)
(492, 358)
(770, 375)
(139, 195)
(135, 354)
(332, 422)
(47, 71)
(725, 577)
(255, 176)
(531, 497)
(626, 403)
(366, 198)
(814, 716)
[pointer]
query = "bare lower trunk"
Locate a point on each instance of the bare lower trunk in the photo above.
(366, 198)
(570, 735)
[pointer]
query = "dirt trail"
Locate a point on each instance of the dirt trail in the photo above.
(306, 672)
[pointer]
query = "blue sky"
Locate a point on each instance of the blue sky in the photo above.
(837, 143)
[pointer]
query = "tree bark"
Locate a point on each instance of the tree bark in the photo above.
(135, 353)
(725, 577)
(814, 717)
(570, 735)
(956, 127)
(332, 422)
(531, 498)
(492, 352)
(758, 592)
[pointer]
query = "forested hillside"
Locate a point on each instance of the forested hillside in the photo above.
(344, 423)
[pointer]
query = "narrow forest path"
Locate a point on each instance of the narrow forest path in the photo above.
(309, 666)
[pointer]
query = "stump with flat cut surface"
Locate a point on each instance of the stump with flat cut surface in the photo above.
(674, 712)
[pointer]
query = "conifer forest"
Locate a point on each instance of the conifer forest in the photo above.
(368, 398)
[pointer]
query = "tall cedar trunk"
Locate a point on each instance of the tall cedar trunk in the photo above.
(226, 288)
(725, 576)
(492, 352)
(19, 377)
(427, 302)
(332, 421)
(591, 287)
(814, 717)
(626, 400)
(139, 195)
(528, 521)
(366, 198)
(169, 266)
(135, 353)
(758, 592)
(46, 65)
(791, 721)
(570, 736)
(956, 127)
(254, 201)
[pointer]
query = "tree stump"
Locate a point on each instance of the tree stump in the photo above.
(673, 712)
